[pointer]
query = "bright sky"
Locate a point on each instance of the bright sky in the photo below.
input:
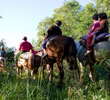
(21, 18)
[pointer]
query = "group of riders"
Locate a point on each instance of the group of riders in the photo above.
(99, 26)
(26, 46)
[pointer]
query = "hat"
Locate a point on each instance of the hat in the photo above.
(24, 38)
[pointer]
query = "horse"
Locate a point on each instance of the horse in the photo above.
(94, 57)
(28, 61)
(58, 48)
(3, 64)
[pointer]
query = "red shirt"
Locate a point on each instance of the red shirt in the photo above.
(25, 46)
(94, 27)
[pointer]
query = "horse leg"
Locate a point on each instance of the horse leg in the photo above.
(61, 72)
(17, 71)
(26, 70)
(20, 71)
(91, 63)
(69, 60)
(73, 66)
(33, 75)
(50, 72)
(82, 73)
(91, 74)
(43, 68)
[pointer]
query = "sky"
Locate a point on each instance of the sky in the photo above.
(21, 18)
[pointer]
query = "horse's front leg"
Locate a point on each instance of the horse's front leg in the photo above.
(42, 72)
(91, 74)
(82, 73)
(73, 66)
(61, 72)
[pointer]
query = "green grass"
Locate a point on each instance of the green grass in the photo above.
(15, 88)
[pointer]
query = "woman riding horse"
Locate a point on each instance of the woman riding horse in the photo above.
(51, 32)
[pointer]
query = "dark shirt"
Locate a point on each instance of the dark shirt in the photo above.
(3, 52)
(54, 30)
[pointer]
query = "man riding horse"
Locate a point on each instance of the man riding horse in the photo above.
(24, 46)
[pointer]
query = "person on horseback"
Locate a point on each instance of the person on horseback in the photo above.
(93, 28)
(54, 29)
(102, 29)
(25, 46)
(43, 40)
(51, 32)
(3, 52)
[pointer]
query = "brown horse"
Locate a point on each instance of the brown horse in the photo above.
(3, 64)
(57, 49)
(28, 62)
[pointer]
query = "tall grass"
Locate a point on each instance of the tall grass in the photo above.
(13, 87)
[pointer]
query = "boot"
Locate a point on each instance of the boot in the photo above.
(45, 54)
(93, 41)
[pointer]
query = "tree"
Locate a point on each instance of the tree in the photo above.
(1, 17)
(76, 19)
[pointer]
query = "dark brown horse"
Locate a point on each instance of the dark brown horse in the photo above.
(57, 49)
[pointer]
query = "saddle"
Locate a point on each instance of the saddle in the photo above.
(25, 55)
(102, 37)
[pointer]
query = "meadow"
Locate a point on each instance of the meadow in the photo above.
(13, 87)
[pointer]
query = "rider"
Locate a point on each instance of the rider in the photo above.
(93, 28)
(51, 32)
(3, 52)
(54, 29)
(25, 46)
(102, 29)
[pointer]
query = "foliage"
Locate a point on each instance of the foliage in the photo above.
(76, 20)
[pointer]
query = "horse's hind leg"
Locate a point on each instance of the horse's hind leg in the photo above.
(61, 72)
(73, 65)
(50, 71)
(69, 60)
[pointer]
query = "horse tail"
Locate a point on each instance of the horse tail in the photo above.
(72, 47)
(31, 61)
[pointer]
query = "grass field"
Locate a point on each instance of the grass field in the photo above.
(13, 87)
